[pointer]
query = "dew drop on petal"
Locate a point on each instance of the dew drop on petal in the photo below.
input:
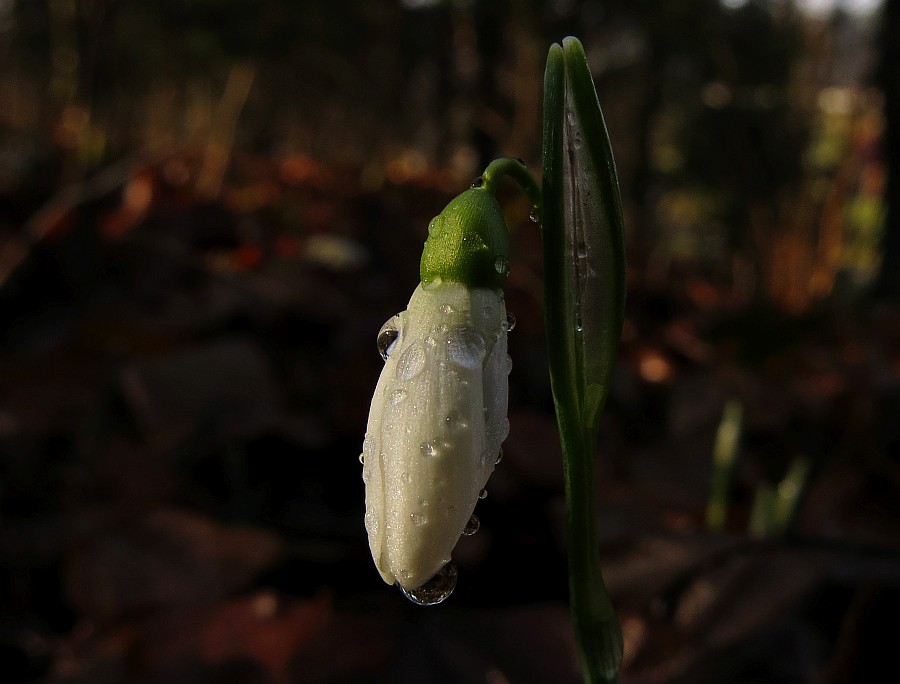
(406, 477)
(362, 459)
(482, 494)
(446, 309)
(371, 520)
(510, 322)
(397, 396)
(581, 250)
(499, 456)
(412, 362)
(471, 526)
(387, 336)
(435, 590)
(570, 116)
(418, 519)
(456, 423)
(478, 182)
(428, 449)
(466, 347)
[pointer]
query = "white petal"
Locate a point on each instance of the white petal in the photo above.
(435, 426)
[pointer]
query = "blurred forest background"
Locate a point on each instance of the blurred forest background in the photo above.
(208, 208)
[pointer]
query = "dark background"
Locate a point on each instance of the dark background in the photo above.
(208, 208)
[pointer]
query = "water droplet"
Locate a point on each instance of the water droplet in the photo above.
(406, 477)
(362, 459)
(371, 520)
(499, 456)
(482, 494)
(471, 526)
(434, 227)
(576, 140)
(435, 590)
(533, 216)
(387, 336)
(418, 519)
(446, 309)
(412, 362)
(570, 116)
(501, 265)
(478, 182)
(578, 324)
(428, 449)
(466, 347)
(397, 396)
(430, 342)
(510, 322)
(581, 250)
(456, 423)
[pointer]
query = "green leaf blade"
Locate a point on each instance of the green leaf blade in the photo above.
(594, 235)
(584, 273)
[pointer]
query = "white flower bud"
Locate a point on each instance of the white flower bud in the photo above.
(435, 427)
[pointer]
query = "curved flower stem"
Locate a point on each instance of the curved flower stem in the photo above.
(506, 166)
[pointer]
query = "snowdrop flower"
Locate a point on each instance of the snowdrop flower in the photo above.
(438, 416)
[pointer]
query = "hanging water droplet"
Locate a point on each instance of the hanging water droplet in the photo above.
(581, 250)
(387, 336)
(482, 494)
(533, 216)
(428, 449)
(510, 322)
(435, 590)
(578, 324)
(471, 526)
(362, 459)
(499, 456)
(501, 265)
(478, 182)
